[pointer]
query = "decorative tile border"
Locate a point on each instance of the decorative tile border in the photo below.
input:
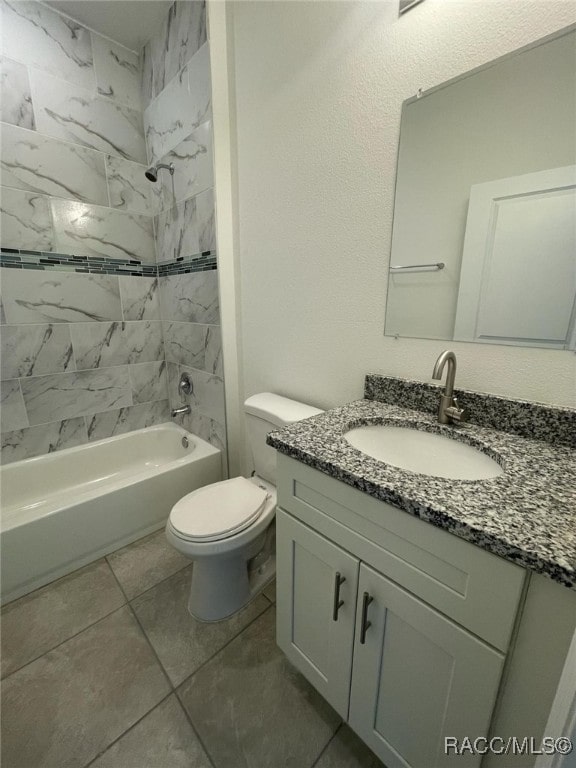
(100, 265)
(203, 263)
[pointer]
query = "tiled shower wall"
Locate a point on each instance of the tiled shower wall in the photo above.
(176, 93)
(82, 347)
(83, 342)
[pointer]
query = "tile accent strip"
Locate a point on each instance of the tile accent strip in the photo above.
(536, 421)
(100, 265)
(202, 263)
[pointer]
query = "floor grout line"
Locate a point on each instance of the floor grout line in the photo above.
(174, 689)
(196, 733)
(127, 602)
(148, 589)
(116, 580)
(55, 581)
(216, 653)
(272, 602)
(103, 751)
(171, 692)
(158, 661)
(330, 740)
(178, 691)
(71, 637)
(141, 628)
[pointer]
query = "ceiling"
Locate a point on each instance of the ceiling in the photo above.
(130, 22)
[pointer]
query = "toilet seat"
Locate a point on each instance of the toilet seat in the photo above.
(219, 510)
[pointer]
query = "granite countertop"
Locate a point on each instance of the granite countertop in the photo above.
(526, 515)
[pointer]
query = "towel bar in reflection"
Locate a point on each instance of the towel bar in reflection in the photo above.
(419, 267)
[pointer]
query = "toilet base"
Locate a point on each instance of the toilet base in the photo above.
(222, 588)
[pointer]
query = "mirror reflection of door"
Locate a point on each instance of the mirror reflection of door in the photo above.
(518, 276)
(512, 118)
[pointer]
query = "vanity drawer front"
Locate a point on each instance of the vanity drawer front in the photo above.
(474, 587)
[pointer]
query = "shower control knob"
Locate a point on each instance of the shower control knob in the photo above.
(185, 386)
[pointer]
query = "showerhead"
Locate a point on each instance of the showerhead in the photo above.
(152, 172)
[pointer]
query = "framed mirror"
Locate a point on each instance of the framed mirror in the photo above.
(484, 233)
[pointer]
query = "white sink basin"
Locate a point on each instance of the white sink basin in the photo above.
(423, 452)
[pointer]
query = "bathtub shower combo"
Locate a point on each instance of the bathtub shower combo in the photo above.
(63, 510)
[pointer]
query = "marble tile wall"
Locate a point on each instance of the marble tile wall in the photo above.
(186, 228)
(193, 160)
(87, 230)
(72, 113)
(15, 94)
(82, 358)
(86, 356)
(176, 95)
(82, 355)
(41, 38)
(189, 307)
(181, 107)
(181, 35)
(72, 133)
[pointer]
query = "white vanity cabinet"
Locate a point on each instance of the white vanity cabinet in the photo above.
(402, 627)
(413, 676)
(318, 584)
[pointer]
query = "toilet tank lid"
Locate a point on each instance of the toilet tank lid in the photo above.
(278, 410)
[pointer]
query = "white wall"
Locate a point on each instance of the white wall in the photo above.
(318, 93)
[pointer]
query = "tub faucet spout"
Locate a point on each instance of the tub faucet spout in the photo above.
(448, 410)
(183, 409)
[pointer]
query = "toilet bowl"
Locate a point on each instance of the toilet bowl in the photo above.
(226, 528)
(222, 527)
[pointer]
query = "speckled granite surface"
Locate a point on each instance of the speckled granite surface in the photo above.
(526, 515)
(533, 420)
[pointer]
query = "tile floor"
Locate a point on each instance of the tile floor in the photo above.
(106, 668)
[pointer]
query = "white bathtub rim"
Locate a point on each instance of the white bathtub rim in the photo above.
(32, 460)
(25, 514)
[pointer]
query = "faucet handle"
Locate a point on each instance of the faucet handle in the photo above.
(185, 386)
(455, 412)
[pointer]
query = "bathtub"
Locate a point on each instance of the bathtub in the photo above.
(63, 510)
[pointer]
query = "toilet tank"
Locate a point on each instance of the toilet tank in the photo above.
(264, 413)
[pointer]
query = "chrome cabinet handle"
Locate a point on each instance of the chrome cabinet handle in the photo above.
(366, 600)
(338, 581)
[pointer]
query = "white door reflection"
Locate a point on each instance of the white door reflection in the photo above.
(518, 276)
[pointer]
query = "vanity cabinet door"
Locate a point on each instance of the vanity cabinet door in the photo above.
(417, 678)
(316, 607)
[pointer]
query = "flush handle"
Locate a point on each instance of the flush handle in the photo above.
(338, 581)
(366, 600)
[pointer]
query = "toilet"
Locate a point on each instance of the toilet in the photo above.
(227, 528)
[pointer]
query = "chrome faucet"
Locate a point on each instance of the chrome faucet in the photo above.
(185, 389)
(448, 410)
(183, 409)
